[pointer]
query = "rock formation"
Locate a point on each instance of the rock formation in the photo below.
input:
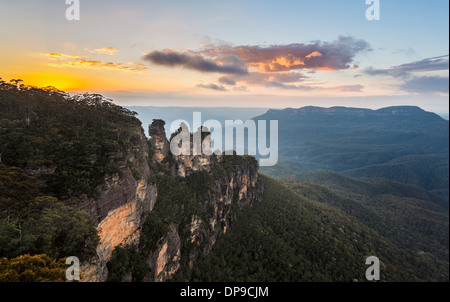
(158, 140)
(125, 202)
(121, 208)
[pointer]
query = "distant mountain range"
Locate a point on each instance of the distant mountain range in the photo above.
(402, 143)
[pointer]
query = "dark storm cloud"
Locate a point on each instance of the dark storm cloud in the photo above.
(172, 58)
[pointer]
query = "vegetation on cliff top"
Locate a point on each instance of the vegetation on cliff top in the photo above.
(71, 141)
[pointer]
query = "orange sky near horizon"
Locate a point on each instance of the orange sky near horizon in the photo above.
(76, 73)
(232, 52)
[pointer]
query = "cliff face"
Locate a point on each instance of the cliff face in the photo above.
(164, 261)
(226, 198)
(234, 188)
(125, 201)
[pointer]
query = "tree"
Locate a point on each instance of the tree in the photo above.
(16, 82)
(17, 193)
(37, 268)
(61, 231)
(3, 150)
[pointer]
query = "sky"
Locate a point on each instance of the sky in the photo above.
(234, 53)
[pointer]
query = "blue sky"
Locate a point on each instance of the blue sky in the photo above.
(287, 53)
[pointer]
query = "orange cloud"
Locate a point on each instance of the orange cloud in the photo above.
(55, 56)
(288, 61)
(325, 68)
(335, 55)
(314, 54)
(278, 66)
(105, 51)
(82, 62)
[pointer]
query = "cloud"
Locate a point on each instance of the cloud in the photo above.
(289, 86)
(318, 55)
(339, 88)
(409, 51)
(57, 56)
(428, 64)
(212, 87)
(348, 88)
(240, 88)
(172, 58)
(405, 70)
(281, 66)
(74, 61)
(431, 84)
(386, 72)
(261, 79)
(314, 54)
(227, 81)
(105, 51)
(418, 84)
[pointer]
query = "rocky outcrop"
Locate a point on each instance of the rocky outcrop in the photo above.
(121, 225)
(125, 201)
(226, 198)
(121, 208)
(193, 149)
(164, 262)
(228, 194)
(158, 140)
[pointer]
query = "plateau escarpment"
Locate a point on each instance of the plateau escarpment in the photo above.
(174, 212)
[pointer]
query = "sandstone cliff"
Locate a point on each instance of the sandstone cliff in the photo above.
(126, 200)
(233, 186)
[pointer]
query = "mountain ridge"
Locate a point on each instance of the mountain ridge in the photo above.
(98, 187)
(397, 111)
(401, 143)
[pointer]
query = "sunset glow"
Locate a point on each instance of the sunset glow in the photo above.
(232, 54)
